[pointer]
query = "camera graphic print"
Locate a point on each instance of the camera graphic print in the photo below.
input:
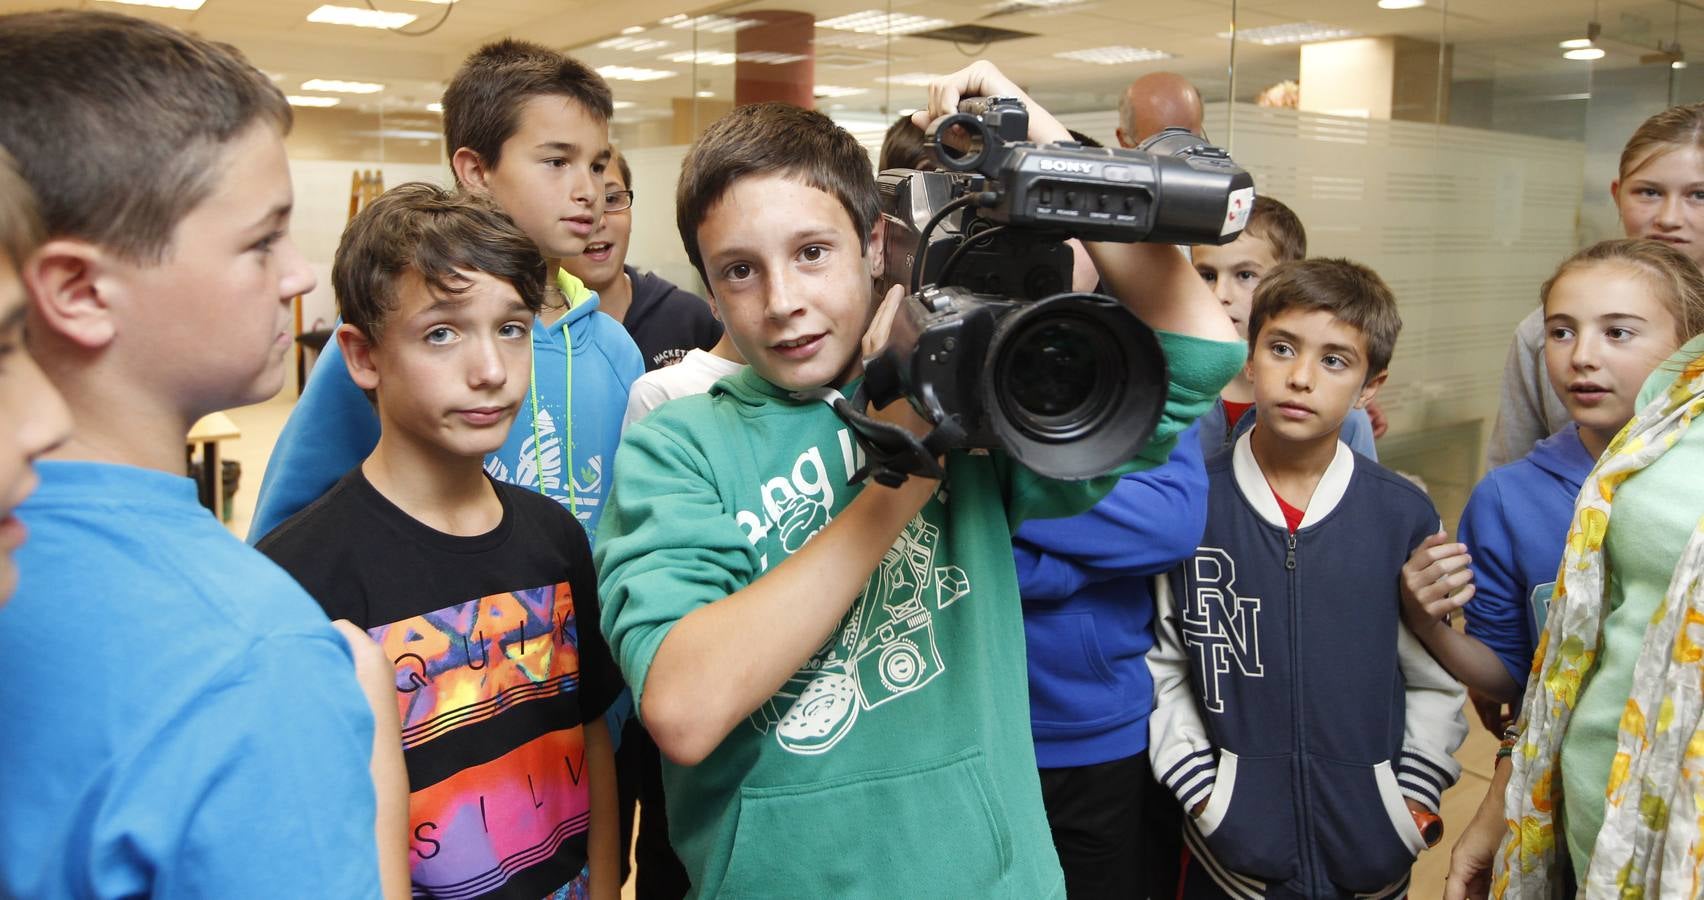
(885, 647)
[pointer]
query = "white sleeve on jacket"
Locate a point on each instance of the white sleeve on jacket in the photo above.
(1435, 725)
(1182, 756)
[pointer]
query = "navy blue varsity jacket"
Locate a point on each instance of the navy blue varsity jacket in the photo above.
(1290, 697)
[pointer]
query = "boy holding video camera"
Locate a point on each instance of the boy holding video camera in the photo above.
(817, 660)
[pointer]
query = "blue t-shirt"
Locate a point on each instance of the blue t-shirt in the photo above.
(333, 427)
(180, 718)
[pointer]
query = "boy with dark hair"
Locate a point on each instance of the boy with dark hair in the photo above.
(819, 661)
(666, 322)
(1296, 718)
(203, 732)
(1274, 236)
(482, 592)
(528, 128)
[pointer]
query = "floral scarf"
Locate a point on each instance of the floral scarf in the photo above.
(1652, 841)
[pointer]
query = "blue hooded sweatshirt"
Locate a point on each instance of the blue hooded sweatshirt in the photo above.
(1217, 436)
(1088, 597)
(1515, 526)
(333, 427)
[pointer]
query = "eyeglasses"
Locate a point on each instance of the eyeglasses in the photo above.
(616, 201)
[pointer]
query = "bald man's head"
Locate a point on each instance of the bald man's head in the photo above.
(1155, 102)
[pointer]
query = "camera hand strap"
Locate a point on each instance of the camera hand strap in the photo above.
(892, 454)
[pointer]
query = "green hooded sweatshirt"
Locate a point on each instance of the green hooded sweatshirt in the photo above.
(898, 761)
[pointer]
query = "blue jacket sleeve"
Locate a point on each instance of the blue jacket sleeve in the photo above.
(1150, 521)
(1358, 434)
(1497, 613)
(332, 429)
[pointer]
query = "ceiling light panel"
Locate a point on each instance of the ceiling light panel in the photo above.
(634, 44)
(711, 24)
(701, 57)
(1115, 55)
(360, 18)
(912, 79)
(634, 73)
(875, 21)
(1584, 53)
(298, 100)
(833, 91)
(332, 86)
(1291, 33)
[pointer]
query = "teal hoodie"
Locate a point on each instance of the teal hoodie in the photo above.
(898, 761)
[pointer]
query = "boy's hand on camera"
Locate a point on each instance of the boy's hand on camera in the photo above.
(1436, 580)
(983, 79)
(899, 412)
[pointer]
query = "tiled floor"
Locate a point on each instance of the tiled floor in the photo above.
(260, 425)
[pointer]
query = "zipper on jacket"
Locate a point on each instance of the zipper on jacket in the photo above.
(1304, 812)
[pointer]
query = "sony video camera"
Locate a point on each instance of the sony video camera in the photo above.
(992, 346)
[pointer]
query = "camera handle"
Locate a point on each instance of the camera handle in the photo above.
(892, 454)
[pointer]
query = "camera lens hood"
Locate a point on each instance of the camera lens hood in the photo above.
(1074, 385)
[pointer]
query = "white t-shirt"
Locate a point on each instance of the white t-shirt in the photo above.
(692, 375)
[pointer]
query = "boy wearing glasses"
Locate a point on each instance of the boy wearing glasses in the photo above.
(666, 322)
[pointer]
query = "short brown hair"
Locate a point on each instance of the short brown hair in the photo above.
(1666, 270)
(626, 172)
(902, 147)
(774, 139)
(482, 105)
(1354, 295)
(21, 230)
(1280, 227)
(437, 234)
(119, 123)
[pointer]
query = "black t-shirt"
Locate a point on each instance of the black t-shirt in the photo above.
(667, 322)
(499, 662)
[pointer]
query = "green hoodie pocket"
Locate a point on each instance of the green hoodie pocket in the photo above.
(932, 829)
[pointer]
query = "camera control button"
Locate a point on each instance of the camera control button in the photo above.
(1117, 173)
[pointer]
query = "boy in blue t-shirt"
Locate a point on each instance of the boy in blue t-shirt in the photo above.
(481, 592)
(528, 128)
(197, 727)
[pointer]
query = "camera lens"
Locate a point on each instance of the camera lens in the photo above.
(1056, 382)
(1074, 385)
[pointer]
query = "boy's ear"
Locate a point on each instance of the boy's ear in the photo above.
(358, 356)
(1615, 191)
(471, 171)
(74, 285)
(877, 252)
(1371, 388)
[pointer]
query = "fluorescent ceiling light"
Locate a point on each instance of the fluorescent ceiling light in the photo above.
(912, 79)
(711, 24)
(1401, 4)
(1114, 55)
(435, 107)
(634, 73)
(705, 95)
(1584, 53)
(701, 57)
(633, 29)
(1291, 33)
(332, 86)
(874, 21)
(163, 4)
(360, 18)
(1575, 43)
(834, 91)
(771, 58)
(1678, 64)
(298, 100)
(1012, 5)
(625, 104)
(637, 45)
